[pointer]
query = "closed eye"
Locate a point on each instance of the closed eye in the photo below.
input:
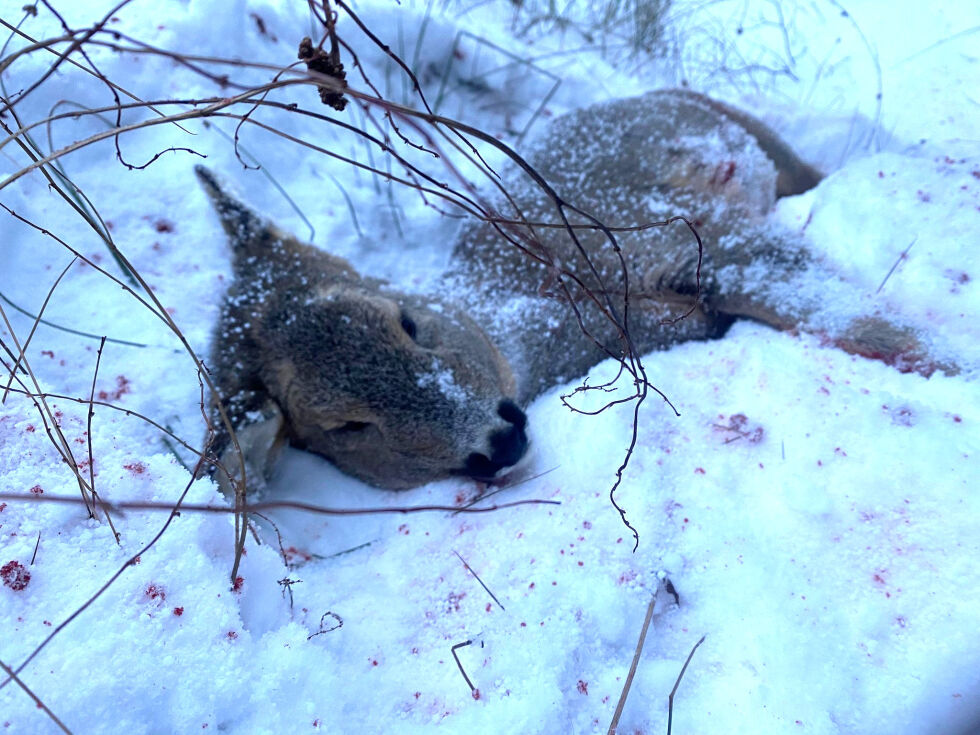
(354, 426)
(354, 434)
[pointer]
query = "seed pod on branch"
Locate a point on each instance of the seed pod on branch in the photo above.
(329, 65)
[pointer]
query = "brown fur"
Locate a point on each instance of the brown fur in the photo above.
(309, 350)
(647, 159)
(393, 388)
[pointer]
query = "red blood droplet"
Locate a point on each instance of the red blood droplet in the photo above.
(15, 575)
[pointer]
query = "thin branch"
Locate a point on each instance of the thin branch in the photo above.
(632, 672)
(12, 676)
(132, 505)
(460, 665)
(477, 577)
(30, 335)
(898, 260)
(670, 699)
(88, 437)
(174, 512)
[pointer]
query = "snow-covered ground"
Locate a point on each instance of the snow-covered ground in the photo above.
(817, 513)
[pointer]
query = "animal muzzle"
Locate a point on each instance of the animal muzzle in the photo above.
(507, 445)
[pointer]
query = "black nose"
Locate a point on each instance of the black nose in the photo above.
(509, 412)
(507, 446)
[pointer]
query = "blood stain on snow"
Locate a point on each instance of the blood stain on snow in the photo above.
(15, 575)
(292, 553)
(136, 468)
(583, 687)
(122, 388)
(178, 611)
(37, 490)
(453, 601)
(155, 592)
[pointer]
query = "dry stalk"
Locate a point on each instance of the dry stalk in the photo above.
(262, 507)
(174, 512)
(37, 700)
(48, 418)
(670, 699)
(632, 672)
(88, 437)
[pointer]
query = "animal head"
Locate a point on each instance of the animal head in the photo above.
(395, 389)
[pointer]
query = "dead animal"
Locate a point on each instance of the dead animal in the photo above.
(399, 390)
(395, 389)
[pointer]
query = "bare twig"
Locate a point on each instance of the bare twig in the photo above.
(321, 630)
(40, 705)
(88, 438)
(62, 328)
(632, 672)
(49, 419)
(174, 512)
(670, 699)
(902, 256)
(459, 663)
(477, 577)
(37, 545)
(274, 505)
(30, 335)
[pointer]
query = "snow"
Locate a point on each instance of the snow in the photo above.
(817, 512)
